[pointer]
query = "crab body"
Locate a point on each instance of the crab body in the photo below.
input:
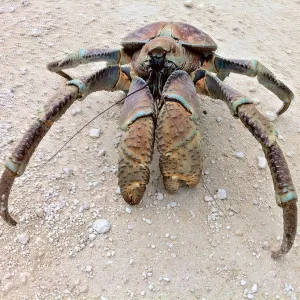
(168, 64)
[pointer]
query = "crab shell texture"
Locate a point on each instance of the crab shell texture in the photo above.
(168, 37)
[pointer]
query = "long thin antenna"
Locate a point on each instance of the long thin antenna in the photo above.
(206, 187)
(119, 101)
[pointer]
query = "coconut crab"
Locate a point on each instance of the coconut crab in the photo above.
(163, 66)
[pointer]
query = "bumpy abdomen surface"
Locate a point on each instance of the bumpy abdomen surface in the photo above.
(179, 144)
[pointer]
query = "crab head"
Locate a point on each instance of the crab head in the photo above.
(158, 59)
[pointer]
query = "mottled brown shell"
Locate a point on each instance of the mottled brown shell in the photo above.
(186, 35)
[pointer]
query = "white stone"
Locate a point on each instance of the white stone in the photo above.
(76, 110)
(271, 115)
(173, 204)
(118, 190)
(159, 196)
(221, 194)
(239, 154)
(254, 288)
(88, 269)
(243, 282)
(23, 238)
(148, 221)
(92, 236)
(39, 212)
(208, 198)
(94, 133)
(101, 226)
(188, 3)
(128, 210)
(35, 32)
(68, 171)
(262, 162)
(288, 288)
(290, 154)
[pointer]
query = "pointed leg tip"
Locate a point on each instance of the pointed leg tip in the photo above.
(8, 219)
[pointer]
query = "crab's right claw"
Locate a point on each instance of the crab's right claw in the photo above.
(6, 183)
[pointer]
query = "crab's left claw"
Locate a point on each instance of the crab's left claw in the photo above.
(6, 183)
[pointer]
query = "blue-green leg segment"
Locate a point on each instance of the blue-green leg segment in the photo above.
(84, 56)
(223, 67)
(110, 78)
(263, 131)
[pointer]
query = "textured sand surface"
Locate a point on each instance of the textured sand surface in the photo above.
(170, 248)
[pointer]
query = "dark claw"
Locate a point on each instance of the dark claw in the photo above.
(6, 183)
(290, 228)
(284, 107)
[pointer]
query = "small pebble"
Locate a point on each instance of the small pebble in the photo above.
(147, 221)
(68, 171)
(262, 162)
(39, 212)
(101, 226)
(173, 204)
(239, 154)
(208, 198)
(219, 119)
(271, 115)
(92, 236)
(118, 190)
(221, 194)
(88, 269)
(288, 288)
(290, 154)
(188, 3)
(76, 110)
(243, 282)
(23, 238)
(94, 133)
(128, 210)
(254, 288)
(35, 32)
(159, 196)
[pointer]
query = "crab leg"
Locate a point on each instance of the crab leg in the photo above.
(84, 56)
(136, 149)
(263, 131)
(111, 78)
(223, 67)
(178, 135)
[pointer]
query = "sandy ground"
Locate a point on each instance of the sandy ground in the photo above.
(169, 248)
